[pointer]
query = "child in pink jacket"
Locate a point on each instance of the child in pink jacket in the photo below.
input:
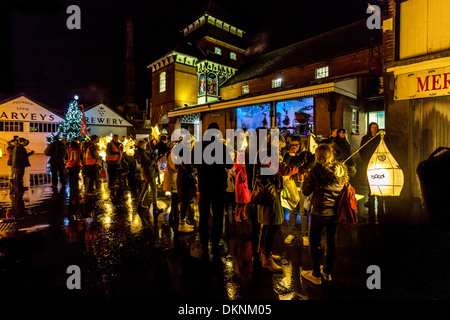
(243, 194)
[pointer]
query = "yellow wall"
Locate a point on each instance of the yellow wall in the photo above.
(424, 27)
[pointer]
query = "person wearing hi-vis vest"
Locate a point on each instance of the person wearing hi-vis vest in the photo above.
(73, 165)
(91, 164)
(113, 157)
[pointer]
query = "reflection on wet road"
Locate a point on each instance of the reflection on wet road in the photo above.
(45, 231)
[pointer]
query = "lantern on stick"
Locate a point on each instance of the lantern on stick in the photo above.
(312, 144)
(383, 172)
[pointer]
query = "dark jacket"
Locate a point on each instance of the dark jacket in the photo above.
(274, 214)
(147, 161)
(370, 148)
(344, 151)
(212, 177)
(20, 157)
(56, 151)
(9, 152)
(325, 183)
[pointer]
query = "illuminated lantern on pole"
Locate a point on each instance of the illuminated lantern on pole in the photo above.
(312, 144)
(384, 174)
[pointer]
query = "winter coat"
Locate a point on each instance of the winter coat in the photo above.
(212, 177)
(56, 151)
(367, 152)
(304, 161)
(170, 176)
(147, 161)
(20, 157)
(274, 215)
(9, 153)
(325, 183)
(243, 194)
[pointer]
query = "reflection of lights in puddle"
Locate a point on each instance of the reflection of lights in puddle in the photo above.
(107, 221)
(35, 228)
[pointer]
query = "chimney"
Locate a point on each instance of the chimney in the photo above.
(129, 81)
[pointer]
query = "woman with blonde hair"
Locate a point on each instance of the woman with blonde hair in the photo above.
(325, 181)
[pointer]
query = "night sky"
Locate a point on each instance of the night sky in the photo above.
(41, 57)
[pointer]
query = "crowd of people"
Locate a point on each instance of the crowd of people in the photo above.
(305, 182)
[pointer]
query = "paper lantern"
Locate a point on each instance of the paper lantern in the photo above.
(384, 174)
(312, 144)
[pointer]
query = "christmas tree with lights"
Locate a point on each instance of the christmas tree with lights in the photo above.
(70, 127)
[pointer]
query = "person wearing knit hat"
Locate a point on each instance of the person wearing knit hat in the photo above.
(19, 163)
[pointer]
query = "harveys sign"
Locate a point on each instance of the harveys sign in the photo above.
(25, 109)
(103, 115)
(422, 84)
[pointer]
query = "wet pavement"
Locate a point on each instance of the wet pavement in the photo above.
(45, 231)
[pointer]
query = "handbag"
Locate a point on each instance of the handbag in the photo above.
(291, 187)
(307, 203)
(263, 193)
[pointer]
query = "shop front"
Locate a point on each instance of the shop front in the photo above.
(422, 92)
(299, 111)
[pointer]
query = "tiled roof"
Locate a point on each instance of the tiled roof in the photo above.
(338, 42)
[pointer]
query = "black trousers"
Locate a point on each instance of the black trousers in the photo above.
(267, 236)
(317, 224)
(74, 173)
(91, 173)
(214, 199)
(18, 178)
(58, 169)
(113, 169)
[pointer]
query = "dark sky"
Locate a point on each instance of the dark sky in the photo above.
(41, 57)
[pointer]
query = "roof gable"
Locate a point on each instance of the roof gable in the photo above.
(101, 114)
(23, 108)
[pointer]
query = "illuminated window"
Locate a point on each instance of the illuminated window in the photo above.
(217, 50)
(355, 121)
(11, 126)
(276, 83)
(245, 90)
(43, 127)
(322, 72)
(378, 117)
(232, 56)
(162, 82)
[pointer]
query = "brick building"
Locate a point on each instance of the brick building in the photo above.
(333, 77)
(209, 53)
(416, 44)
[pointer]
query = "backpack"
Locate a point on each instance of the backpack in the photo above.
(347, 211)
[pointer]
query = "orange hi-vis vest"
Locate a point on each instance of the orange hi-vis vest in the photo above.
(89, 161)
(73, 158)
(114, 157)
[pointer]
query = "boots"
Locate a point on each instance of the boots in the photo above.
(184, 227)
(268, 263)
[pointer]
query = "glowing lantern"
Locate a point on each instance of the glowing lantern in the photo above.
(312, 144)
(384, 174)
(155, 132)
